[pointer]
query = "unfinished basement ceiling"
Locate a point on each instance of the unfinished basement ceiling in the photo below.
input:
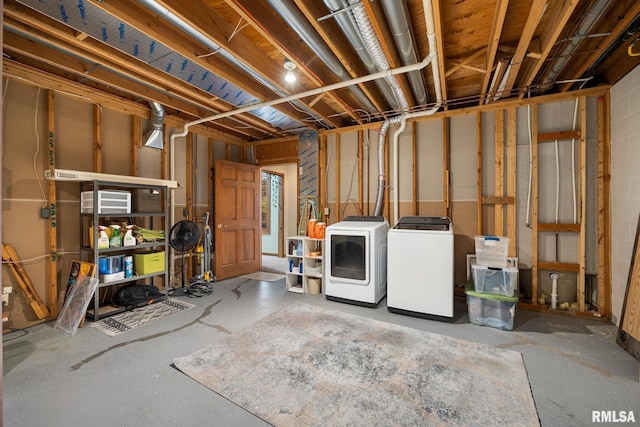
(206, 58)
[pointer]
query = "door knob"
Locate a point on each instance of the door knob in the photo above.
(222, 226)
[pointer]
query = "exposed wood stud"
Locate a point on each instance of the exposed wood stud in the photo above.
(337, 166)
(189, 192)
(52, 276)
(604, 214)
(512, 219)
(97, 138)
(446, 165)
(414, 167)
(499, 172)
(136, 142)
(534, 204)
(479, 167)
(360, 171)
(582, 248)
(322, 171)
(503, 200)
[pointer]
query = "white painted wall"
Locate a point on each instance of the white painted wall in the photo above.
(625, 182)
(290, 190)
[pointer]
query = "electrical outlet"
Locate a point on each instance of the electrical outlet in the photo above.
(326, 211)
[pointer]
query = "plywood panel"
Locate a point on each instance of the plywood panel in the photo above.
(629, 330)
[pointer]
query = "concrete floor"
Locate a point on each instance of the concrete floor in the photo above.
(574, 365)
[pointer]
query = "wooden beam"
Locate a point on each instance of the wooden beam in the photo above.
(566, 135)
(502, 200)
(446, 167)
(499, 172)
(387, 205)
(189, 191)
(440, 43)
(479, 171)
(52, 276)
(136, 142)
(559, 266)
(534, 204)
(164, 156)
(97, 138)
(38, 78)
(512, 219)
(466, 61)
(11, 259)
(558, 15)
(499, 14)
(414, 168)
(582, 239)
(322, 173)
(604, 203)
(360, 172)
(559, 228)
(620, 16)
(533, 18)
(337, 166)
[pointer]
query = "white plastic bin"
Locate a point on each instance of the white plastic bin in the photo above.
(499, 281)
(492, 251)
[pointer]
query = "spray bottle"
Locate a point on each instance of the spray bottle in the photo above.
(129, 239)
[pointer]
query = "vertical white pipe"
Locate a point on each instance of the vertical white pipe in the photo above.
(554, 289)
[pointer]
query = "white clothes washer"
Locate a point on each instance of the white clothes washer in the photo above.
(420, 268)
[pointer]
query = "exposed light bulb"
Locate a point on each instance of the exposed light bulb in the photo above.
(289, 66)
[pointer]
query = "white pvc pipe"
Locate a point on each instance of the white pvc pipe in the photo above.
(433, 54)
(554, 289)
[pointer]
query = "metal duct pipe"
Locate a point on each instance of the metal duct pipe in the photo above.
(589, 20)
(298, 22)
(182, 25)
(374, 48)
(398, 18)
(153, 138)
(351, 32)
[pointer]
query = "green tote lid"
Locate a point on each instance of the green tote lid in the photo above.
(472, 293)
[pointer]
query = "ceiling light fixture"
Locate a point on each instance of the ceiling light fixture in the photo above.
(289, 66)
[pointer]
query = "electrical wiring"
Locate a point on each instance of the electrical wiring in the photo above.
(353, 172)
(41, 86)
(38, 258)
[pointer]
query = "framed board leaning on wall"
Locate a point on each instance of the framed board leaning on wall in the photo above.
(629, 329)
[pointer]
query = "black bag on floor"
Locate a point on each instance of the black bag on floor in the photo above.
(133, 296)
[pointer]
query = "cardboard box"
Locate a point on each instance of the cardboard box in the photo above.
(148, 262)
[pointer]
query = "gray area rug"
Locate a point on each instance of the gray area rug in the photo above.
(305, 365)
(128, 320)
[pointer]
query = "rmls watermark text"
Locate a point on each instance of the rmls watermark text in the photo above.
(613, 417)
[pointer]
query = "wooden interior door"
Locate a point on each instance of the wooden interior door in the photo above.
(237, 219)
(629, 327)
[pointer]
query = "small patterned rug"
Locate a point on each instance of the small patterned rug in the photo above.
(123, 322)
(308, 366)
(264, 276)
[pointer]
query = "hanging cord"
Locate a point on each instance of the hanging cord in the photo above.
(630, 49)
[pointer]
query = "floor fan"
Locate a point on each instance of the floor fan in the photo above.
(183, 237)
